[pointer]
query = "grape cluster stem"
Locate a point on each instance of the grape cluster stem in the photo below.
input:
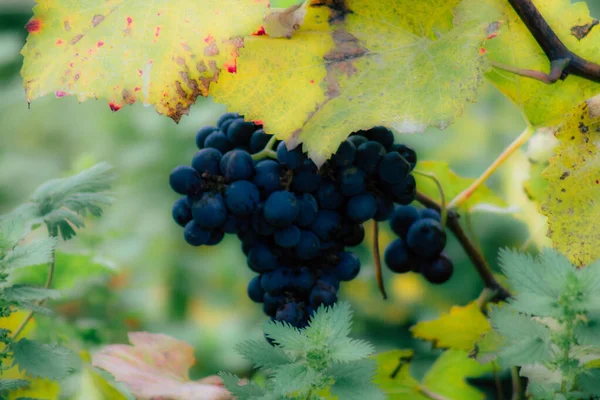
(377, 259)
(268, 151)
(478, 260)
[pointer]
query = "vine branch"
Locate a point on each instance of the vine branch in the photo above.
(475, 256)
(377, 259)
(563, 61)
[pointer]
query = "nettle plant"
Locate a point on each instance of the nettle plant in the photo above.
(320, 93)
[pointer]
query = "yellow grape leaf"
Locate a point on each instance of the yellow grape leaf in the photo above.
(446, 379)
(156, 366)
(572, 202)
(543, 104)
(359, 64)
(160, 52)
(460, 329)
(453, 185)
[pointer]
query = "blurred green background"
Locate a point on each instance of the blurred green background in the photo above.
(159, 283)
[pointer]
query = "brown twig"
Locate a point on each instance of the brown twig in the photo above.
(553, 47)
(475, 256)
(377, 259)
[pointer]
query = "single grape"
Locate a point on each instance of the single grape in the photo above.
(237, 165)
(345, 154)
(240, 131)
(426, 237)
(347, 267)
(405, 191)
(430, 213)
(226, 117)
(231, 223)
(439, 270)
(307, 211)
(308, 245)
(281, 208)
(207, 161)
(402, 218)
(261, 258)
(306, 178)
(218, 140)
(322, 293)
(408, 153)
(287, 237)
(215, 237)
(210, 211)
(202, 134)
(398, 257)
(276, 282)
(242, 198)
(330, 278)
(302, 280)
(369, 155)
(329, 196)
(271, 303)
(381, 135)
(393, 169)
(351, 181)
(181, 211)
(195, 235)
(268, 176)
(290, 158)
(361, 208)
(258, 140)
(255, 290)
(385, 208)
(184, 179)
(352, 234)
(326, 224)
(357, 140)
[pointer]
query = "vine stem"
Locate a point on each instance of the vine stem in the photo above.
(517, 388)
(509, 151)
(377, 259)
(51, 268)
(268, 151)
(474, 254)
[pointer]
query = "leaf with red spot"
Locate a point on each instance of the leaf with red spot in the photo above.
(126, 51)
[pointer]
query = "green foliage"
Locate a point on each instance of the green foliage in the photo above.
(550, 326)
(60, 205)
(305, 362)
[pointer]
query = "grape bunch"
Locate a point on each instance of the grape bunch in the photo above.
(420, 244)
(295, 221)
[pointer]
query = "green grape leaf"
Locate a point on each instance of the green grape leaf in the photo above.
(293, 378)
(445, 379)
(448, 374)
(44, 360)
(123, 51)
(453, 185)
(571, 200)
(29, 254)
(459, 329)
(589, 382)
(404, 64)
(262, 355)
(542, 104)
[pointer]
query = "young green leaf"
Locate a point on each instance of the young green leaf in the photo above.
(293, 378)
(262, 354)
(33, 253)
(330, 324)
(44, 360)
(24, 293)
(353, 381)
(243, 390)
(286, 336)
(12, 384)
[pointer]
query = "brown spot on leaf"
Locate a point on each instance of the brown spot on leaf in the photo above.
(581, 31)
(211, 50)
(180, 60)
(565, 175)
(59, 42)
(76, 38)
(67, 25)
(128, 97)
(97, 19)
(186, 47)
(583, 128)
